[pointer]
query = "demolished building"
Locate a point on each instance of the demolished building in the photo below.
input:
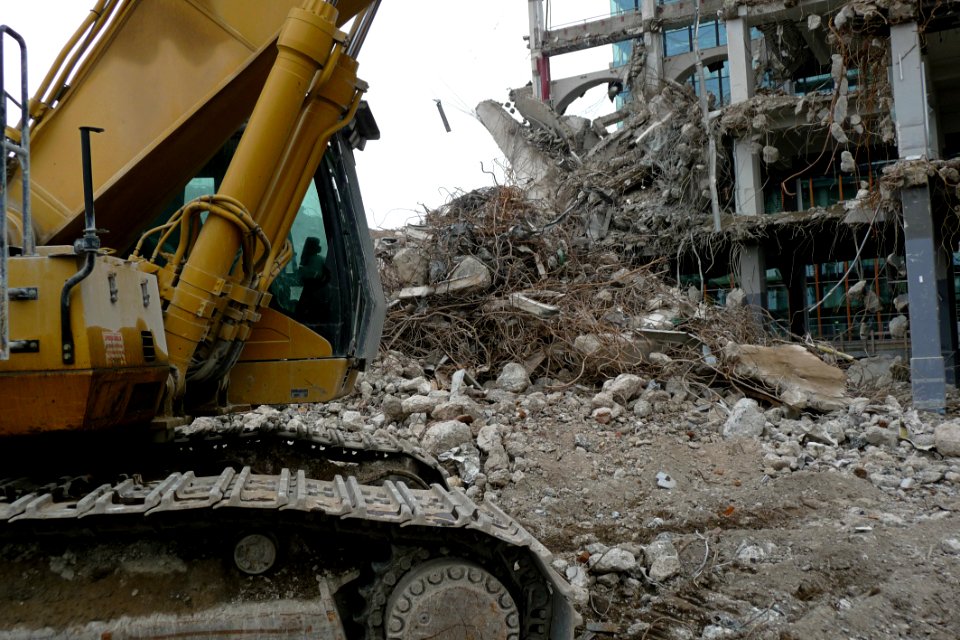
(831, 198)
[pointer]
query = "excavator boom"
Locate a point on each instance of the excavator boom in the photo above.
(171, 97)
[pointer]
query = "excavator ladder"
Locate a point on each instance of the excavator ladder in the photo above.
(16, 148)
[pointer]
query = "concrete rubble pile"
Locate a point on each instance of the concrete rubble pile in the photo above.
(636, 524)
(637, 188)
(556, 274)
(482, 283)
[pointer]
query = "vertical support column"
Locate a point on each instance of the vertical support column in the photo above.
(795, 276)
(909, 92)
(927, 314)
(653, 43)
(927, 367)
(746, 162)
(947, 294)
(539, 63)
(934, 132)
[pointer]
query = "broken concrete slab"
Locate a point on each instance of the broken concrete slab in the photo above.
(412, 266)
(532, 168)
(873, 373)
(576, 131)
(796, 376)
(469, 276)
(524, 304)
(620, 349)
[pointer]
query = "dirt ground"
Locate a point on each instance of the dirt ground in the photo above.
(685, 512)
(812, 554)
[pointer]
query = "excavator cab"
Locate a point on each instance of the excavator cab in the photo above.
(328, 292)
(325, 285)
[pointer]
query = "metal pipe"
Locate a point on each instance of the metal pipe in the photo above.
(21, 150)
(365, 23)
(89, 217)
(4, 303)
(22, 153)
(66, 331)
(88, 245)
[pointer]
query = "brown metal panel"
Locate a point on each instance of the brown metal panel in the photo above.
(45, 401)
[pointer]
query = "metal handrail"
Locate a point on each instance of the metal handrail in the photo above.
(21, 152)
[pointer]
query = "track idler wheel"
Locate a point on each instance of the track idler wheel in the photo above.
(255, 553)
(450, 599)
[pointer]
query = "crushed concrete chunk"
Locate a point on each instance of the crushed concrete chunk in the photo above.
(625, 387)
(615, 560)
(663, 560)
(745, 421)
(947, 438)
(444, 436)
(513, 377)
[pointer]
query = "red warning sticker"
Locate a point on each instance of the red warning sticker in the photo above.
(113, 348)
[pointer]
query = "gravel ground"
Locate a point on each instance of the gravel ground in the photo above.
(681, 516)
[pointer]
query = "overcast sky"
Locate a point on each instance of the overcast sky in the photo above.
(458, 51)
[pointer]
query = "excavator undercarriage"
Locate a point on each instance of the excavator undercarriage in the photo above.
(240, 554)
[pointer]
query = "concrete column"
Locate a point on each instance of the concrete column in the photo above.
(653, 43)
(934, 132)
(746, 162)
(741, 60)
(927, 365)
(947, 293)
(930, 337)
(746, 176)
(539, 63)
(909, 92)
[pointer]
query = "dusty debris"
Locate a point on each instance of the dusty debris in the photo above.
(701, 478)
(805, 508)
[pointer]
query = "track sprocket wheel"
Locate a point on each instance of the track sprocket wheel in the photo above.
(415, 597)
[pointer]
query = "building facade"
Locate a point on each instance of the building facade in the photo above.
(819, 106)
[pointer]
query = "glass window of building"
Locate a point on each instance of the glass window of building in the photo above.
(622, 6)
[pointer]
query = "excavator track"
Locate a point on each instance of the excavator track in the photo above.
(455, 548)
(378, 456)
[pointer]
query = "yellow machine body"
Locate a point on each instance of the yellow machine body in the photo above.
(171, 81)
(170, 96)
(120, 364)
(281, 363)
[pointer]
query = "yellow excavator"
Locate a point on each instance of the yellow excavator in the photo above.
(184, 236)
